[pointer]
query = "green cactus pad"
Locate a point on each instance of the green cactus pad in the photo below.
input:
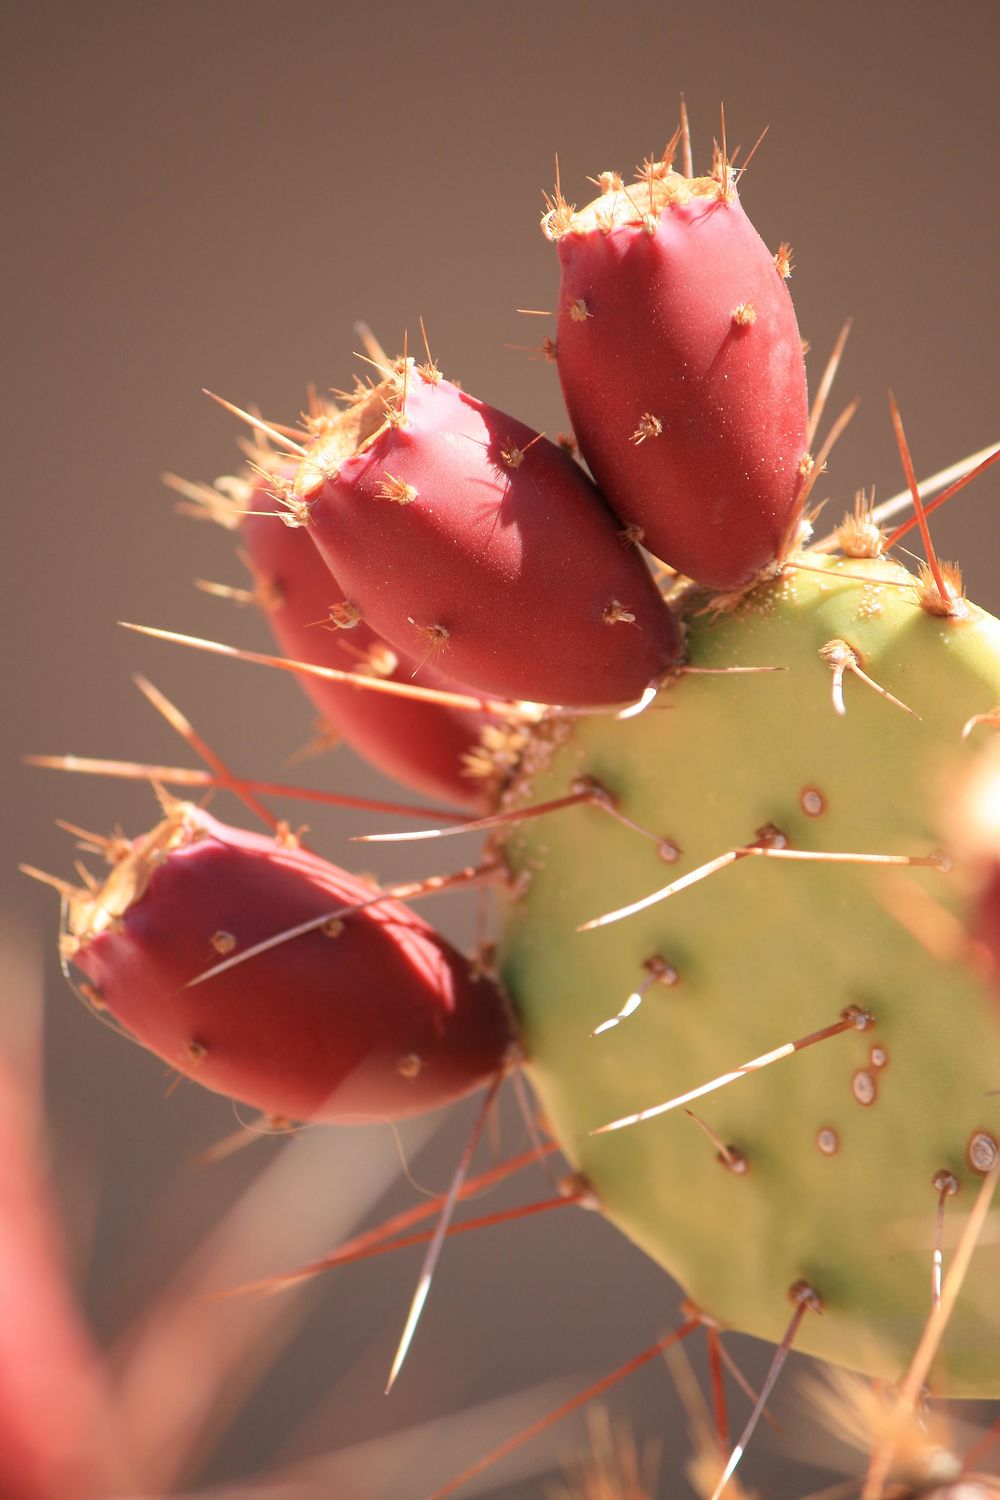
(842, 1142)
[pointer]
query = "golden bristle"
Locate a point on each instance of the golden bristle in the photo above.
(615, 1469)
(864, 1418)
(953, 603)
(858, 534)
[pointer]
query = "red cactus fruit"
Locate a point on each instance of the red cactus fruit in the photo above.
(370, 1014)
(988, 923)
(463, 535)
(681, 366)
(422, 745)
(55, 1435)
(976, 837)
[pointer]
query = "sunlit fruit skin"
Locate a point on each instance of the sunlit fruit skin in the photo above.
(483, 549)
(421, 745)
(373, 1015)
(54, 1431)
(986, 928)
(682, 370)
(974, 819)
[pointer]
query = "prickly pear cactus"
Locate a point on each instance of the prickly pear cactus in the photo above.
(824, 1168)
(791, 883)
(743, 957)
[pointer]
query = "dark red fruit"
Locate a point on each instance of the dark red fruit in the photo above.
(470, 541)
(56, 1439)
(370, 1016)
(422, 745)
(989, 920)
(681, 366)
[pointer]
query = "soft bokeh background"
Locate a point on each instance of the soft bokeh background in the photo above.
(209, 193)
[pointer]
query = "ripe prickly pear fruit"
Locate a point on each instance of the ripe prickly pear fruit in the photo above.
(976, 831)
(465, 537)
(987, 926)
(55, 1434)
(369, 1013)
(826, 1168)
(426, 746)
(681, 365)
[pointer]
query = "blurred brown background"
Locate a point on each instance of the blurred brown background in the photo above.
(209, 194)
